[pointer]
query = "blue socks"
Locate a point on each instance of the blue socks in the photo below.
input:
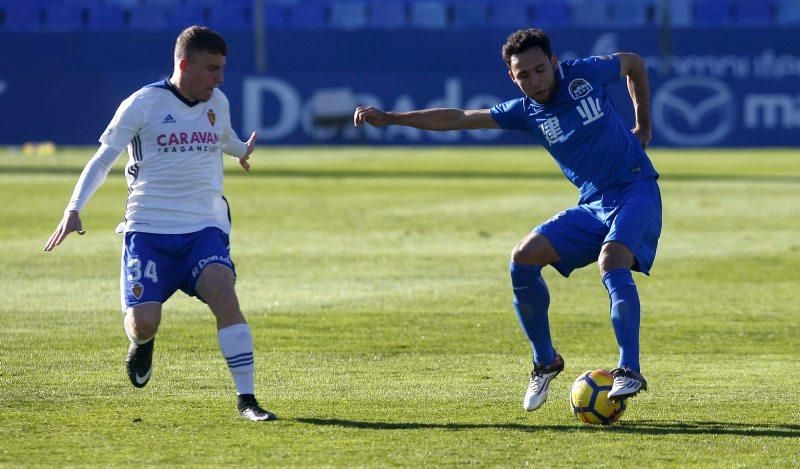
(531, 300)
(625, 315)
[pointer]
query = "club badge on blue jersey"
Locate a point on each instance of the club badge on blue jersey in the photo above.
(579, 88)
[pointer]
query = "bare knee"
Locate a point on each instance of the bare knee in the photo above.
(215, 284)
(520, 255)
(216, 287)
(614, 255)
(141, 321)
(534, 249)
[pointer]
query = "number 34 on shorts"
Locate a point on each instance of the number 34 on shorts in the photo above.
(135, 272)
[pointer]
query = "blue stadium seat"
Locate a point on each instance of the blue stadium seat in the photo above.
(713, 13)
(124, 3)
(65, 17)
(348, 14)
(387, 14)
(547, 13)
(183, 16)
(628, 14)
(680, 13)
(82, 3)
(147, 18)
(590, 13)
(470, 14)
(218, 3)
(106, 18)
(170, 4)
(787, 12)
(428, 14)
(238, 16)
(20, 16)
(752, 13)
(308, 14)
(510, 14)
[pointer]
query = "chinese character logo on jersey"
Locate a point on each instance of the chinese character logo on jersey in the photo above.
(211, 116)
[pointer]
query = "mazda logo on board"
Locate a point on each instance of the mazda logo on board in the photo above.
(694, 110)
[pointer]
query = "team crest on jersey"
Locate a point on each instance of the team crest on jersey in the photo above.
(137, 289)
(211, 116)
(579, 88)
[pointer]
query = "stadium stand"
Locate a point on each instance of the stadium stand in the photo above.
(237, 15)
(428, 14)
(276, 16)
(787, 12)
(348, 14)
(65, 17)
(470, 14)
(678, 13)
(387, 14)
(551, 13)
(713, 13)
(510, 14)
(130, 4)
(627, 14)
(308, 14)
(750, 13)
(589, 13)
(147, 18)
(186, 15)
(105, 18)
(20, 16)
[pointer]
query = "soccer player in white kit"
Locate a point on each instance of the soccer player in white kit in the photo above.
(177, 222)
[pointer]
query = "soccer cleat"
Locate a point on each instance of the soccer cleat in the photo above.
(139, 362)
(627, 383)
(540, 382)
(249, 409)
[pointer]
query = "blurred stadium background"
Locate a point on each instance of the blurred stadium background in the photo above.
(723, 72)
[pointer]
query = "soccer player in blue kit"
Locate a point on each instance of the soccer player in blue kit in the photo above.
(617, 221)
(177, 222)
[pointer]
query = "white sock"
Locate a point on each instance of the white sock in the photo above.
(236, 344)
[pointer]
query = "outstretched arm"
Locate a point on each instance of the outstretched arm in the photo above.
(632, 66)
(427, 119)
(91, 178)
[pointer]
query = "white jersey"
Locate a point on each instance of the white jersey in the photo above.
(174, 170)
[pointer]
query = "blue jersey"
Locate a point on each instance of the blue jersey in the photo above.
(580, 127)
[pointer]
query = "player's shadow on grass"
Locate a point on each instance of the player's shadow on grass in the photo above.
(654, 427)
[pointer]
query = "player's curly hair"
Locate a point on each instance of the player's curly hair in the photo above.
(199, 39)
(524, 39)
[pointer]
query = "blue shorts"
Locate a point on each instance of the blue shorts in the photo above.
(154, 266)
(629, 214)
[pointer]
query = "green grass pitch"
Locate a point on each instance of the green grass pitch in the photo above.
(376, 284)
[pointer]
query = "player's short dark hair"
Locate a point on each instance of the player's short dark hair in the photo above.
(524, 39)
(199, 39)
